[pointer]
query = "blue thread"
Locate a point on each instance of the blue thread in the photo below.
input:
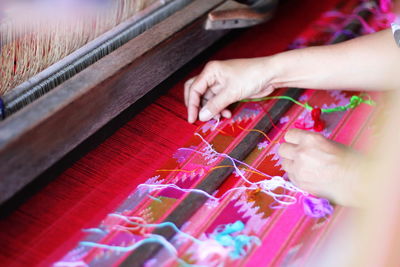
(2, 109)
(238, 243)
(154, 198)
(151, 239)
(95, 230)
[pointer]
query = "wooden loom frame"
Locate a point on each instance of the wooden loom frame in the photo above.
(39, 135)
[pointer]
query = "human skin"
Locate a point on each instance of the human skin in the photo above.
(366, 63)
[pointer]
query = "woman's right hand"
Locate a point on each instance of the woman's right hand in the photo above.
(222, 83)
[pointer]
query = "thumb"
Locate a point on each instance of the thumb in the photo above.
(215, 105)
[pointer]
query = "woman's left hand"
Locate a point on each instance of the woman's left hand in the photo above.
(320, 166)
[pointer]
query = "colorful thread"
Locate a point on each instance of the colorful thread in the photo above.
(2, 109)
(154, 198)
(258, 131)
(316, 112)
(159, 225)
(95, 230)
(225, 237)
(211, 169)
(272, 185)
(151, 239)
(267, 185)
(319, 124)
(317, 207)
(355, 101)
(240, 243)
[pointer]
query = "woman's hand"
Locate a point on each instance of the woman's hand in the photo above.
(372, 63)
(321, 166)
(222, 83)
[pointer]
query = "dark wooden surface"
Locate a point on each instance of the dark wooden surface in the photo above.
(212, 182)
(39, 135)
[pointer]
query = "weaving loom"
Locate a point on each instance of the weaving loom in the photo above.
(109, 207)
(138, 46)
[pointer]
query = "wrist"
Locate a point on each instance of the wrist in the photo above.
(278, 65)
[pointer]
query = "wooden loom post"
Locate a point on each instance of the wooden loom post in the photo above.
(189, 206)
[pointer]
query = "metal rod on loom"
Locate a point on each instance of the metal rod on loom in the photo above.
(188, 207)
(66, 68)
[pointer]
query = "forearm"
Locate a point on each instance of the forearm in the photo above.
(371, 62)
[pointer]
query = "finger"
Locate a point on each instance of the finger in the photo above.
(192, 114)
(202, 82)
(198, 88)
(288, 165)
(227, 114)
(215, 105)
(188, 85)
(287, 151)
(295, 136)
(193, 106)
(207, 96)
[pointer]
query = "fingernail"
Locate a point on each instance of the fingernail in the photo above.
(190, 119)
(205, 115)
(226, 114)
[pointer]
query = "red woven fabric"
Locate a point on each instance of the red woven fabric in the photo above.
(50, 222)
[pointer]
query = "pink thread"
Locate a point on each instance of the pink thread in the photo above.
(385, 5)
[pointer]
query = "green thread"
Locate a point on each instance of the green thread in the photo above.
(355, 101)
